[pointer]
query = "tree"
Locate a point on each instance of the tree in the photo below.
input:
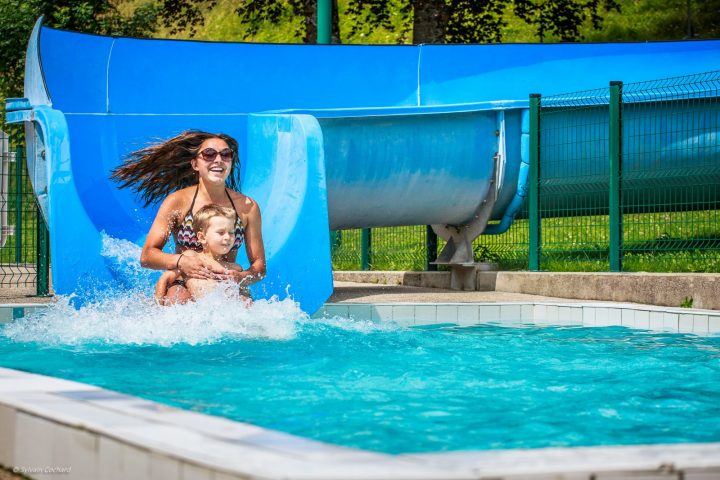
(254, 13)
(563, 18)
(90, 16)
(477, 21)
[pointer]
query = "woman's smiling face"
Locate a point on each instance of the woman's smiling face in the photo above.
(214, 160)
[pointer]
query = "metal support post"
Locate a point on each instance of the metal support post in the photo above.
(533, 190)
(615, 154)
(324, 21)
(365, 248)
(43, 257)
(19, 162)
(431, 244)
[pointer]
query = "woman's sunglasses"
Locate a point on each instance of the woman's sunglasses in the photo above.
(209, 154)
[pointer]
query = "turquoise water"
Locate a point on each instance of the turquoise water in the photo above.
(385, 387)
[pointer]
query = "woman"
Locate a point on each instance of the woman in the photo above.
(190, 171)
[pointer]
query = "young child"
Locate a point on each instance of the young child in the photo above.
(214, 226)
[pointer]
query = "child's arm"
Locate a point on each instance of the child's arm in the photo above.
(161, 287)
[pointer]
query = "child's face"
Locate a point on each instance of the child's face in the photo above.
(219, 236)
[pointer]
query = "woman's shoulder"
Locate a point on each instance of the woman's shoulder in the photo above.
(182, 195)
(242, 202)
(179, 199)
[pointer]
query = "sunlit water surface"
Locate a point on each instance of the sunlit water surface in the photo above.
(381, 386)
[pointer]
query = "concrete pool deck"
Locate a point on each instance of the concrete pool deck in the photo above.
(701, 290)
(354, 292)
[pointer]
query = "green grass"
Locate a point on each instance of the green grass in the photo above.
(653, 242)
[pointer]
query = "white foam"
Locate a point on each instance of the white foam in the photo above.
(122, 251)
(129, 315)
(134, 318)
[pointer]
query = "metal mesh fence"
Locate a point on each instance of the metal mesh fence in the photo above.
(671, 174)
(18, 218)
(510, 249)
(389, 248)
(398, 248)
(346, 249)
(666, 213)
(573, 181)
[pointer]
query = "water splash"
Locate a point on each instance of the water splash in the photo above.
(135, 319)
(122, 258)
(125, 312)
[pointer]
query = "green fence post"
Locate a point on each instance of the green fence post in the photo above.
(431, 244)
(324, 21)
(365, 246)
(43, 257)
(19, 161)
(615, 154)
(334, 240)
(534, 190)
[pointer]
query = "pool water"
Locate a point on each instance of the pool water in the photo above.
(385, 387)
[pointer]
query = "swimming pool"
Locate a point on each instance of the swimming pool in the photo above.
(386, 387)
(366, 382)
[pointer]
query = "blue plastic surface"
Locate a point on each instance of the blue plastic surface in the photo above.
(407, 134)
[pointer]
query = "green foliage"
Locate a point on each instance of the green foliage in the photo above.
(659, 20)
(255, 15)
(687, 302)
(472, 21)
(483, 254)
(563, 18)
(364, 17)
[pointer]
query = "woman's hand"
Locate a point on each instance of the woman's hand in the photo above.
(194, 265)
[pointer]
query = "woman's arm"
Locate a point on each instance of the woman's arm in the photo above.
(152, 255)
(254, 248)
(188, 262)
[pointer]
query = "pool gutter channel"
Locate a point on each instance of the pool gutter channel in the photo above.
(49, 423)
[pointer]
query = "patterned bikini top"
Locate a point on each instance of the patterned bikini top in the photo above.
(185, 235)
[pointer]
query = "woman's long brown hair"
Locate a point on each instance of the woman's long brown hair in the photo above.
(156, 171)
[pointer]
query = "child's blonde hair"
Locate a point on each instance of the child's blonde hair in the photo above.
(201, 219)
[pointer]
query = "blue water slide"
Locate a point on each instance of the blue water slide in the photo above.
(331, 136)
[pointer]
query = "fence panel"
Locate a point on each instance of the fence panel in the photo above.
(19, 217)
(671, 174)
(574, 181)
(510, 249)
(391, 248)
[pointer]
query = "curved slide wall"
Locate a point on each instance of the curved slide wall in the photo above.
(406, 134)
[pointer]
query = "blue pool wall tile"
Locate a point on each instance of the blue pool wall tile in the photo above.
(644, 317)
(404, 315)
(425, 314)
(382, 313)
(468, 315)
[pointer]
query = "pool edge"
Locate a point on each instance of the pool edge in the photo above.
(51, 423)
